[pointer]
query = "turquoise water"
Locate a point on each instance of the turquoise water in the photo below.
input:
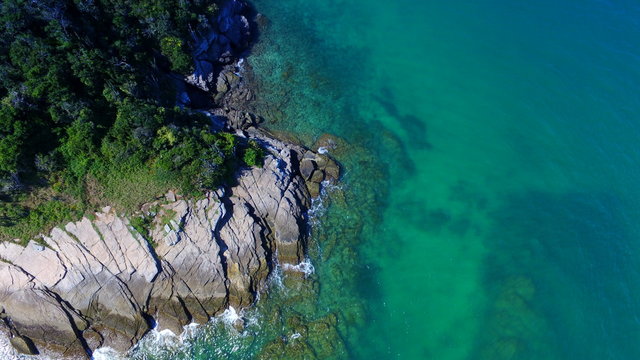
(489, 204)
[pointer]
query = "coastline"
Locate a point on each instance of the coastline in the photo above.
(268, 203)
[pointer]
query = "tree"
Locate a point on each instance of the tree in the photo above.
(173, 48)
(78, 148)
(13, 132)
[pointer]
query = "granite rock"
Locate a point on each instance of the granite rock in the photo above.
(98, 282)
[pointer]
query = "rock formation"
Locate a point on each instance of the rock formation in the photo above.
(99, 282)
(221, 44)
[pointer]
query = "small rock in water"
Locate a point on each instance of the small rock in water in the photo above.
(306, 168)
(262, 21)
(332, 170)
(221, 84)
(314, 189)
(309, 155)
(317, 176)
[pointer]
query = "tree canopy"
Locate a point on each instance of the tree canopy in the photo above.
(87, 96)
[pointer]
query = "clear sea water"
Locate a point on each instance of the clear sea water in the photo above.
(490, 202)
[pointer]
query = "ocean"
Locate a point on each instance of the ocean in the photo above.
(489, 204)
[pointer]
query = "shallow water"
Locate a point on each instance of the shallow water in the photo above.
(489, 203)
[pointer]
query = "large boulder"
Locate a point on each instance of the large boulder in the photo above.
(316, 168)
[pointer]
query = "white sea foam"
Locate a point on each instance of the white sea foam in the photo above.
(329, 186)
(160, 343)
(165, 344)
(230, 316)
(276, 278)
(190, 331)
(106, 353)
(239, 67)
(252, 319)
(317, 208)
(305, 267)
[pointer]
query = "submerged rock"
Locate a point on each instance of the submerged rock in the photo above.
(307, 339)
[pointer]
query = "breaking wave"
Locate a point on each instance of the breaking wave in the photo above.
(318, 207)
(305, 267)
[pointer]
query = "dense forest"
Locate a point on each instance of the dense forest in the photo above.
(87, 111)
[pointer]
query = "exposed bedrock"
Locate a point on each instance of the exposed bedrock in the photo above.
(99, 282)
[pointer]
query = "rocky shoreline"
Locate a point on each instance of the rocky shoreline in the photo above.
(100, 282)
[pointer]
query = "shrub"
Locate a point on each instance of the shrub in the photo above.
(173, 48)
(141, 224)
(253, 154)
(30, 222)
(10, 213)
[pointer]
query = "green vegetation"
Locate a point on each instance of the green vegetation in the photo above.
(87, 110)
(142, 225)
(21, 223)
(167, 217)
(253, 155)
(173, 48)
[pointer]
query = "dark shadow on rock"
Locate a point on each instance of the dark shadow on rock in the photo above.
(221, 47)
